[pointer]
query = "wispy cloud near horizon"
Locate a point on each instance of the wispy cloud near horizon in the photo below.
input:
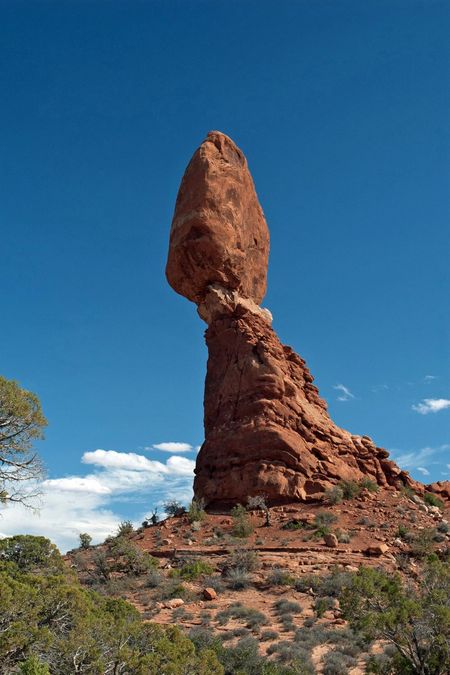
(346, 394)
(431, 405)
(171, 446)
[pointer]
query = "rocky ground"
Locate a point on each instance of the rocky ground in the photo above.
(271, 581)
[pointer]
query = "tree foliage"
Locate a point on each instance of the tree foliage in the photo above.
(21, 423)
(415, 620)
(49, 623)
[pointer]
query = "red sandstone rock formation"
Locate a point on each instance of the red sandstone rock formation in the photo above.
(267, 431)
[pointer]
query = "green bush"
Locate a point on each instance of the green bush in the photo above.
(173, 508)
(85, 540)
(415, 620)
(369, 484)
(350, 488)
(334, 495)
(421, 544)
(242, 526)
(238, 579)
(33, 666)
(245, 559)
(433, 500)
(125, 529)
(287, 606)
(31, 554)
(45, 611)
(196, 511)
(322, 605)
(193, 570)
(337, 663)
(280, 577)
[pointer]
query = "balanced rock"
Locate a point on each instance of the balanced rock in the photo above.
(267, 430)
(219, 234)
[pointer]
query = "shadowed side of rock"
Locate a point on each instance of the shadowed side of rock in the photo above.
(267, 430)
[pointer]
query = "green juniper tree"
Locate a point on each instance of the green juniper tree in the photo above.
(21, 423)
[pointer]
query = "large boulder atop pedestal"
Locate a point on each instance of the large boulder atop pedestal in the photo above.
(219, 233)
(267, 430)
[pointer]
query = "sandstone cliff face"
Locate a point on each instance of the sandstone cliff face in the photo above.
(267, 431)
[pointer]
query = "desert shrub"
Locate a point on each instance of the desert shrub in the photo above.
(293, 656)
(244, 657)
(443, 527)
(332, 584)
(154, 578)
(260, 502)
(248, 615)
(287, 621)
(342, 537)
(324, 518)
(280, 577)
(33, 666)
(125, 529)
(101, 570)
(306, 581)
(323, 604)
(238, 579)
(432, 500)
(407, 491)
(214, 582)
(402, 531)
(294, 524)
(309, 636)
(205, 617)
(242, 526)
(245, 559)
(415, 620)
(337, 663)
(204, 638)
(129, 558)
(173, 508)
(269, 634)
(31, 554)
(369, 484)
(85, 540)
(334, 495)
(192, 570)
(171, 588)
(364, 520)
(282, 606)
(72, 629)
(421, 544)
(350, 488)
(196, 511)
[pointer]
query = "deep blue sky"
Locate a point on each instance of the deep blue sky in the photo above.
(342, 109)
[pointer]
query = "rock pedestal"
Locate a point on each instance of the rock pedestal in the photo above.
(267, 431)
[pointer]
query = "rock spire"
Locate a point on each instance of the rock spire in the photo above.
(267, 431)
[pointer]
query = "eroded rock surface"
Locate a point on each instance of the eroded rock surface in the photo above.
(267, 431)
(219, 233)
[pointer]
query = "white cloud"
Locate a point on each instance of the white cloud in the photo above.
(112, 459)
(171, 446)
(431, 405)
(423, 470)
(417, 459)
(77, 484)
(345, 395)
(92, 503)
(430, 378)
(180, 465)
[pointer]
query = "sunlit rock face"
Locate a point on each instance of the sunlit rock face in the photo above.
(267, 431)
